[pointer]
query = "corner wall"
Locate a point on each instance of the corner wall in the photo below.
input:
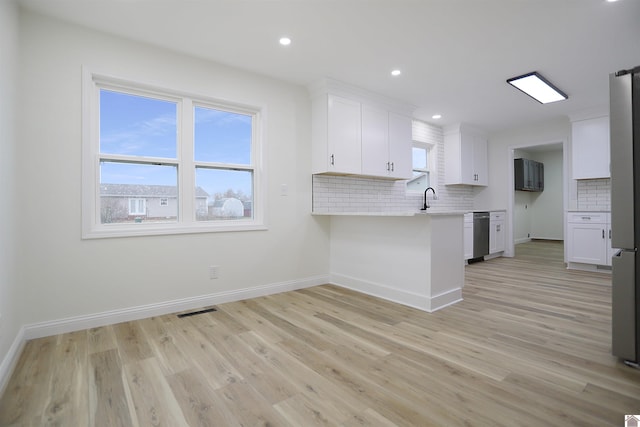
(63, 277)
(9, 307)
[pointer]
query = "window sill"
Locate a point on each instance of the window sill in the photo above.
(136, 230)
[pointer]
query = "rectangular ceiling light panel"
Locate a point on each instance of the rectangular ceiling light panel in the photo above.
(537, 87)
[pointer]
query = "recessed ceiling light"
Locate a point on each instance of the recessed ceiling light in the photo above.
(537, 87)
(611, 1)
(396, 73)
(285, 41)
(436, 116)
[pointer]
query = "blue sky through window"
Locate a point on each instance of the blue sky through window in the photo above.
(222, 136)
(137, 126)
(134, 125)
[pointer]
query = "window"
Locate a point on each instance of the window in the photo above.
(421, 169)
(137, 207)
(426, 139)
(156, 161)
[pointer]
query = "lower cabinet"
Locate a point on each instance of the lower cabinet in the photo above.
(468, 236)
(496, 232)
(589, 238)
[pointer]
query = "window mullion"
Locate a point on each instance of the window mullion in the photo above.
(186, 172)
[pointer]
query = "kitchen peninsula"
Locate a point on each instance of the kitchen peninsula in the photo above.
(413, 258)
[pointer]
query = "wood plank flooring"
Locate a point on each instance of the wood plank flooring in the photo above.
(528, 346)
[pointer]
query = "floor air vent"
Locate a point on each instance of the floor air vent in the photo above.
(193, 313)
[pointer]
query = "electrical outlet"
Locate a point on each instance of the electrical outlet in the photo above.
(214, 271)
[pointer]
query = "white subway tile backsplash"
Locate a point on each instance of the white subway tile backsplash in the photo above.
(594, 194)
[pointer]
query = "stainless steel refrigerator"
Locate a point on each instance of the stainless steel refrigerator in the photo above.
(624, 88)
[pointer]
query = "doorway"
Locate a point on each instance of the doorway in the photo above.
(538, 215)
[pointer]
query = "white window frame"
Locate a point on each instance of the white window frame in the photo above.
(431, 163)
(186, 222)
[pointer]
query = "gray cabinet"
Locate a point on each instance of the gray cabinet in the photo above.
(528, 174)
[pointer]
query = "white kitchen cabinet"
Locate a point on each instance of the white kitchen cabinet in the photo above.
(610, 250)
(590, 148)
(468, 236)
(386, 143)
(588, 240)
(465, 156)
(496, 232)
(400, 146)
(355, 132)
(337, 135)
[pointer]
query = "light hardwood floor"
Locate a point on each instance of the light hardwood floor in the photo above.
(528, 346)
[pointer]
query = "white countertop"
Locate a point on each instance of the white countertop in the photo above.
(409, 213)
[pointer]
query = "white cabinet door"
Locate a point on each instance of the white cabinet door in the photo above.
(587, 243)
(467, 168)
(465, 153)
(375, 141)
(590, 148)
(496, 232)
(610, 251)
(344, 136)
(496, 237)
(386, 143)
(480, 162)
(468, 236)
(400, 146)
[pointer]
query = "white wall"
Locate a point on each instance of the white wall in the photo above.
(547, 213)
(9, 321)
(60, 275)
(521, 208)
(521, 216)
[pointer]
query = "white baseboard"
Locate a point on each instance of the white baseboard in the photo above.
(11, 359)
(588, 267)
(446, 299)
(523, 240)
(421, 302)
(77, 323)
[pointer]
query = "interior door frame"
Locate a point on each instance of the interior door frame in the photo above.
(510, 244)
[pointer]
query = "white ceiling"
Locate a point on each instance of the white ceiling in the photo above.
(455, 55)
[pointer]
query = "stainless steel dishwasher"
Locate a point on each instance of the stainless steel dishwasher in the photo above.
(480, 234)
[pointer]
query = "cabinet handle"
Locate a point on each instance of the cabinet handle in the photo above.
(603, 234)
(332, 160)
(609, 233)
(388, 167)
(392, 167)
(586, 217)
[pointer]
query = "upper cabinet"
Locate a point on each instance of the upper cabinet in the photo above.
(590, 148)
(528, 175)
(358, 133)
(465, 156)
(386, 143)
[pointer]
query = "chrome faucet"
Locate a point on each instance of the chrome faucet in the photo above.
(426, 206)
